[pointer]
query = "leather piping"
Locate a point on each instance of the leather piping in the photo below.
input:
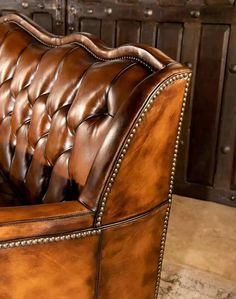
(134, 218)
(50, 218)
(98, 266)
(135, 52)
(104, 227)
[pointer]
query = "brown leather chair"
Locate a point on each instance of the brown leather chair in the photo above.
(87, 157)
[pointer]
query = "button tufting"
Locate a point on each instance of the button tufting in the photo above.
(63, 100)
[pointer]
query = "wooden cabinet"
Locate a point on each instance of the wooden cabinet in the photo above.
(49, 14)
(200, 34)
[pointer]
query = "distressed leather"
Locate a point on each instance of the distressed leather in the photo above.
(68, 106)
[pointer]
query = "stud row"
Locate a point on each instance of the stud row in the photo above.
(166, 220)
(131, 135)
(133, 58)
(44, 240)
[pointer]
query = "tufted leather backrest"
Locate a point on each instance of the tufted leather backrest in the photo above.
(57, 103)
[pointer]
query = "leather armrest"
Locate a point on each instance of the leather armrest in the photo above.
(43, 220)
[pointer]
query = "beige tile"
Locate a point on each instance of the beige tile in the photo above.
(185, 282)
(202, 235)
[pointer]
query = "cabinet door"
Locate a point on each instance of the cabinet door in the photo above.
(48, 14)
(226, 152)
(169, 39)
(207, 103)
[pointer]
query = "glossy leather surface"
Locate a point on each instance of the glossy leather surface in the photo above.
(80, 122)
(57, 104)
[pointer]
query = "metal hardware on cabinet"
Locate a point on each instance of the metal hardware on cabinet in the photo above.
(225, 149)
(72, 10)
(233, 68)
(148, 12)
(58, 15)
(71, 28)
(25, 4)
(233, 198)
(41, 5)
(189, 64)
(108, 10)
(90, 11)
(195, 13)
(71, 18)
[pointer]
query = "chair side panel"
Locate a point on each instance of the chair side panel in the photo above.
(130, 256)
(143, 179)
(65, 269)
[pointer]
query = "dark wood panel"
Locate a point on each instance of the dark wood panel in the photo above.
(193, 11)
(195, 2)
(233, 182)
(127, 32)
(203, 192)
(189, 56)
(108, 32)
(92, 26)
(48, 14)
(148, 33)
(173, 2)
(226, 151)
(169, 39)
(219, 2)
(43, 19)
(207, 104)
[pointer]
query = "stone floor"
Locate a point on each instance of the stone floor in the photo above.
(200, 258)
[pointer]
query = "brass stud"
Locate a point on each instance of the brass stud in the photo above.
(90, 11)
(195, 13)
(25, 4)
(148, 12)
(108, 10)
(41, 5)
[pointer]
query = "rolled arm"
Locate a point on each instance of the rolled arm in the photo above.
(132, 171)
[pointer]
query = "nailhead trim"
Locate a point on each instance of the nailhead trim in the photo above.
(111, 181)
(129, 57)
(44, 240)
(162, 87)
(166, 220)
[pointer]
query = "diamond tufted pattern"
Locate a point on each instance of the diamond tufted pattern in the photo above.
(56, 106)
